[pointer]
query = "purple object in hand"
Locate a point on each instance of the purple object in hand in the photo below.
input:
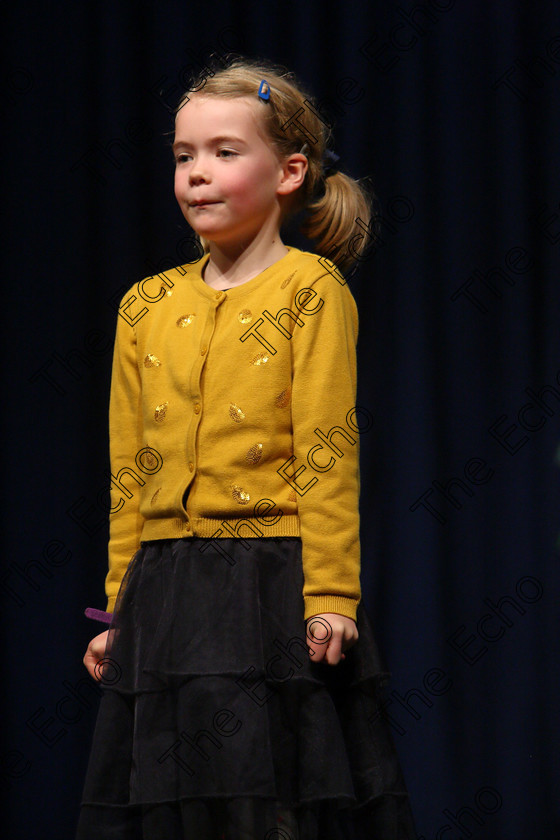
(98, 615)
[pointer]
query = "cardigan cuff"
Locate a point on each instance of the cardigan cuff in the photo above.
(98, 615)
(317, 604)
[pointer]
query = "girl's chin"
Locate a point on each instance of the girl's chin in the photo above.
(205, 227)
(214, 235)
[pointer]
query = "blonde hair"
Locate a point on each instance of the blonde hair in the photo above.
(333, 200)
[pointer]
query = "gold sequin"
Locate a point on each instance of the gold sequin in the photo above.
(245, 316)
(292, 496)
(287, 280)
(283, 399)
(151, 361)
(236, 414)
(240, 496)
(254, 454)
(154, 497)
(169, 293)
(259, 359)
(148, 459)
(160, 412)
(185, 320)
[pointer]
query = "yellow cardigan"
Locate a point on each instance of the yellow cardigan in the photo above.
(232, 415)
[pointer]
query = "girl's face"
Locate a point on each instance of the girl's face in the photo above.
(227, 177)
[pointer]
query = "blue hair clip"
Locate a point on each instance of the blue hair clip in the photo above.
(264, 91)
(329, 161)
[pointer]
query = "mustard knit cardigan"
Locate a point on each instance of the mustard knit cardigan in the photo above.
(232, 414)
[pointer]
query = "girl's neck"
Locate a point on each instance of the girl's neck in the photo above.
(225, 269)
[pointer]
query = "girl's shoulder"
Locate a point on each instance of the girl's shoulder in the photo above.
(314, 268)
(320, 273)
(143, 297)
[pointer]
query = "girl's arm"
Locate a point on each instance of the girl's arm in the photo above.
(326, 449)
(126, 436)
(125, 521)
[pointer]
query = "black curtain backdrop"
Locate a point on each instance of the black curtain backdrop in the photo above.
(452, 108)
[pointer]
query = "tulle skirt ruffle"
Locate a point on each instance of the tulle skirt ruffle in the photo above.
(215, 724)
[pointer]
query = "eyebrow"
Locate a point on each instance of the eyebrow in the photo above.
(214, 141)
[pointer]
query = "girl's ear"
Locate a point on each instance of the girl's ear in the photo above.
(294, 170)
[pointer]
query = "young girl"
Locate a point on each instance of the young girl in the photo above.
(241, 679)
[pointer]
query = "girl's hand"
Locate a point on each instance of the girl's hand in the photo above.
(328, 635)
(94, 653)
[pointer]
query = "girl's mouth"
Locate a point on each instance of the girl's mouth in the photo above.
(202, 203)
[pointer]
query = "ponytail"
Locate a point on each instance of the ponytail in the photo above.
(332, 218)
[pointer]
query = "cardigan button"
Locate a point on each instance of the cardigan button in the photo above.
(218, 295)
(191, 466)
(197, 408)
(203, 351)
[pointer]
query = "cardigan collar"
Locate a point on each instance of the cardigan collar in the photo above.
(283, 264)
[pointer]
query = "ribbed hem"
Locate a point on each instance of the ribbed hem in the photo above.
(317, 604)
(245, 528)
(248, 528)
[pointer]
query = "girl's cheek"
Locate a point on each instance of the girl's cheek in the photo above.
(178, 188)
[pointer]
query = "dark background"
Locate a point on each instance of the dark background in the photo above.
(453, 110)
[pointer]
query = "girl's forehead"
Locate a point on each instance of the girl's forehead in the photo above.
(217, 108)
(206, 117)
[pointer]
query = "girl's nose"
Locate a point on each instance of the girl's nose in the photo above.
(199, 172)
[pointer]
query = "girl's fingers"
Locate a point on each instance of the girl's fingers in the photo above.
(94, 653)
(334, 649)
(316, 651)
(350, 639)
(90, 661)
(328, 636)
(319, 633)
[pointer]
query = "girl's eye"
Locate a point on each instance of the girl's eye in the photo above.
(183, 157)
(226, 153)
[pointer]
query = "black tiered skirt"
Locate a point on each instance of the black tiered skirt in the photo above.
(214, 722)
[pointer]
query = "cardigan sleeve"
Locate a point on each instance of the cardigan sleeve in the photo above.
(125, 438)
(326, 446)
